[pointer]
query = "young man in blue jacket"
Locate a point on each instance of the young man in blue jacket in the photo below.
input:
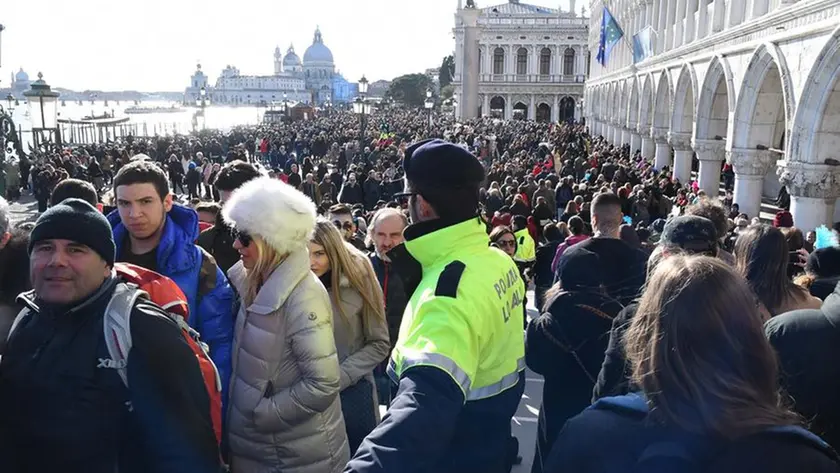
(152, 232)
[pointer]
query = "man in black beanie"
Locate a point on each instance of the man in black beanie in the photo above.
(63, 404)
(459, 359)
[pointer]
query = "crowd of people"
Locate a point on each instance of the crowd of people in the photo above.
(322, 273)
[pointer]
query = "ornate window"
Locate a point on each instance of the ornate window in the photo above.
(522, 61)
(499, 61)
(545, 62)
(569, 62)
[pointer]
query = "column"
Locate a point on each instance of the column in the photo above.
(669, 25)
(648, 148)
(555, 110)
(711, 155)
(617, 129)
(662, 157)
(682, 156)
(485, 109)
(508, 108)
(649, 12)
(718, 16)
(751, 166)
(661, 16)
(702, 20)
(469, 70)
(757, 8)
(678, 23)
(635, 142)
(625, 136)
(689, 21)
(532, 109)
(813, 193)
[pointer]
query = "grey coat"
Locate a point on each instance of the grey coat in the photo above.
(361, 346)
(284, 413)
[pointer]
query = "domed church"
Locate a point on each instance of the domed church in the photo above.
(309, 81)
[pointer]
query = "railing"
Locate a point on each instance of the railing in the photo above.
(534, 78)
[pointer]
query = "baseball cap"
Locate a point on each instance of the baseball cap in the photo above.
(691, 233)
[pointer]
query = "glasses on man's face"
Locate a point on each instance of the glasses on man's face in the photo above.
(506, 243)
(243, 237)
(343, 225)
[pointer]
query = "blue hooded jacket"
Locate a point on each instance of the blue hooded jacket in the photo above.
(180, 259)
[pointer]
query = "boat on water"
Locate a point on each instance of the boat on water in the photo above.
(138, 110)
(105, 119)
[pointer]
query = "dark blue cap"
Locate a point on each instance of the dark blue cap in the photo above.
(441, 164)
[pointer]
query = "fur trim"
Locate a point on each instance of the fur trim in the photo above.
(283, 216)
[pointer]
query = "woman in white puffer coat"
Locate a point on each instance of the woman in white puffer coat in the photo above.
(284, 412)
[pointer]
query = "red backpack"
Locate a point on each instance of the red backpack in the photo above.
(138, 282)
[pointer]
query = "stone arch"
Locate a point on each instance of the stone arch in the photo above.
(646, 105)
(716, 101)
(756, 91)
(497, 106)
(566, 110)
(543, 112)
(662, 102)
(685, 101)
(520, 111)
(633, 104)
(812, 136)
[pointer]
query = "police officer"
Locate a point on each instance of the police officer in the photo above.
(459, 359)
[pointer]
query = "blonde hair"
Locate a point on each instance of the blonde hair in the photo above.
(267, 261)
(347, 261)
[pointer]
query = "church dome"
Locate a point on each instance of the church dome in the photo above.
(22, 76)
(318, 52)
(291, 59)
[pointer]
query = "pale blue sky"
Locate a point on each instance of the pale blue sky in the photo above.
(154, 44)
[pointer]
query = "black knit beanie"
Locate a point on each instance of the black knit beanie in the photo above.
(76, 220)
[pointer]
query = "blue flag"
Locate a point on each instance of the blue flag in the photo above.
(610, 34)
(643, 44)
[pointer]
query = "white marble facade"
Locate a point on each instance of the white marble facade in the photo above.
(526, 62)
(753, 82)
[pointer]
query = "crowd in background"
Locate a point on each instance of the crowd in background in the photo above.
(657, 302)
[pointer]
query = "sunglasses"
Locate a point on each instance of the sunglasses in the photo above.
(346, 225)
(243, 237)
(510, 243)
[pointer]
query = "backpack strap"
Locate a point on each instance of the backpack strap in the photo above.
(117, 325)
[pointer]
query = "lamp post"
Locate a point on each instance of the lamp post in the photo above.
(8, 132)
(202, 103)
(286, 105)
(361, 107)
(43, 112)
(430, 104)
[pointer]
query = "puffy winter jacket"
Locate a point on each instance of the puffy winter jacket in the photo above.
(285, 413)
(194, 270)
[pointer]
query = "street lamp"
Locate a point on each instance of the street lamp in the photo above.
(43, 112)
(363, 86)
(286, 105)
(430, 103)
(361, 107)
(10, 98)
(202, 102)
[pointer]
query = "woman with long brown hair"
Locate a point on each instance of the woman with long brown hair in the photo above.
(762, 256)
(359, 326)
(709, 397)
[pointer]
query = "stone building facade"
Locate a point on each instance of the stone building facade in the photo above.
(520, 61)
(751, 82)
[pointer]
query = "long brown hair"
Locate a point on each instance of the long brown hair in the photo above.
(346, 261)
(698, 350)
(761, 256)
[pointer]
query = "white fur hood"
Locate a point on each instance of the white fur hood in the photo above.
(280, 214)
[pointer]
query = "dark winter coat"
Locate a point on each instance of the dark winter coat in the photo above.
(56, 398)
(394, 291)
(806, 342)
(566, 345)
(612, 435)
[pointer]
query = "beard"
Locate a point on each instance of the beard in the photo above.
(382, 254)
